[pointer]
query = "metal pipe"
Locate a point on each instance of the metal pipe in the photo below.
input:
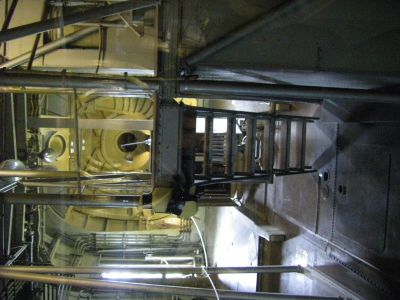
(58, 176)
(8, 187)
(95, 13)
(10, 228)
(279, 12)
(45, 13)
(131, 185)
(50, 47)
(296, 93)
(37, 174)
(217, 201)
(76, 200)
(130, 26)
(14, 129)
(166, 269)
(9, 15)
(223, 89)
(65, 80)
(148, 288)
(31, 234)
(103, 24)
(16, 255)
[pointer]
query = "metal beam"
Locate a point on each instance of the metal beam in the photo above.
(287, 8)
(295, 93)
(95, 13)
(50, 47)
(114, 124)
(75, 200)
(148, 288)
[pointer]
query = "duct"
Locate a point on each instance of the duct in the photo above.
(147, 269)
(148, 288)
(75, 200)
(96, 13)
(295, 93)
(48, 47)
(75, 81)
(270, 18)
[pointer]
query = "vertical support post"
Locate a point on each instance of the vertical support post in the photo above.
(14, 135)
(77, 141)
(303, 144)
(10, 226)
(271, 149)
(208, 132)
(230, 146)
(171, 25)
(288, 143)
(14, 130)
(265, 145)
(251, 126)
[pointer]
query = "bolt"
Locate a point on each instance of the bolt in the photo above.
(324, 175)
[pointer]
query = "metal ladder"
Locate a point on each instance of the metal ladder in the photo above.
(285, 156)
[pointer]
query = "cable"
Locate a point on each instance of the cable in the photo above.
(99, 59)
(204, 268)
(211, 282)
(202, 241)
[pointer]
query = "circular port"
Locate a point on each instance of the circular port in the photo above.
(125, 141)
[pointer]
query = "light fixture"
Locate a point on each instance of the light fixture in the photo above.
(130, 275)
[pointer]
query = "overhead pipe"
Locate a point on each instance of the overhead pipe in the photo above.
(196, 88)
(287, 8)
(48, 48)
(75, 81)
(165, 269)
(95, 13)
(295, 93)
(75, 200)
(148, 288)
